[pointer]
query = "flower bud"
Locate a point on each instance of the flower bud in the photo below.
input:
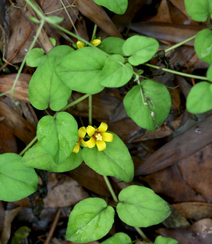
(96, 42)
(80, 44)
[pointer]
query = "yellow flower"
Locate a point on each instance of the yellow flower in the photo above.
(96, 42)
(81, 135)
(80, 44)
(98, 136)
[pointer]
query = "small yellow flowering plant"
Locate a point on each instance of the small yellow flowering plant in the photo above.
(96, 136)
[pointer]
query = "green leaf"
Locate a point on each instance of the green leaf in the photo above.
(209, 73)
(58, 135)
(35, 20)
(54, 19)
(35, 57)
(140, 49)
(203, 45)
(60, 51)
(37, 157)
(46, 88)
(20, 234)
(53, 41)
(164, 240)
(199, 9)
(139, 206)
(115, 160)
(81, 70)
(199, 99)
(116, 6)
(118, 238)
(114, 74)
(17, 180)
(112, 45)
(157, 99)
(90, 220)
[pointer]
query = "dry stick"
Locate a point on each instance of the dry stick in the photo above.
(51, 232)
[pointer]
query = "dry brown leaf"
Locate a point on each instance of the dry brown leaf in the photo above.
(20, 28)
(163, 14)
(179, 148)
(177, 16)
(196, 170)
(181, 6)
(21, 88)
(199, 233)
(8, 141)
(97, 14)
(63, 193)
(90, 180)
(166, 31)
(16, 123)
(9, 216)
(194, 210)
(169, 183)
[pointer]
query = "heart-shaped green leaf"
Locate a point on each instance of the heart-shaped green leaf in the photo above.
(118, 238)
(140, 49)
(17, 180)
(114, 74)
(46, 88)
(203, 45)
(90, 220)
(58, 135)
(81, 70)
(116, 6)
(148, 104)
(139, 206)
(37, 157)
(199, 98)
(60, 51)
(165, 240)
(112, 45)
(199, 10)
(115, 160)
(35, 57)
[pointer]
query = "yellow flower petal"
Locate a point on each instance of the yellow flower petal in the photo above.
(101, 145)
(90, 130)
(82, 132)
(96, 42)
(107, 136)
(83, 142)
(76, 148)
(103, 127)
(91, 142)
(80, 44)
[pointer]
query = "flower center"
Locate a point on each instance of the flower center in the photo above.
(98, 137)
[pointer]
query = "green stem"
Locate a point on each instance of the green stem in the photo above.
(90, 109)
(28, 146)
(180, 43)
(141, 233)
(31, 46)
(75, 102)
(110, 188)
(113, 194)
(177, 73)
(94, 32)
